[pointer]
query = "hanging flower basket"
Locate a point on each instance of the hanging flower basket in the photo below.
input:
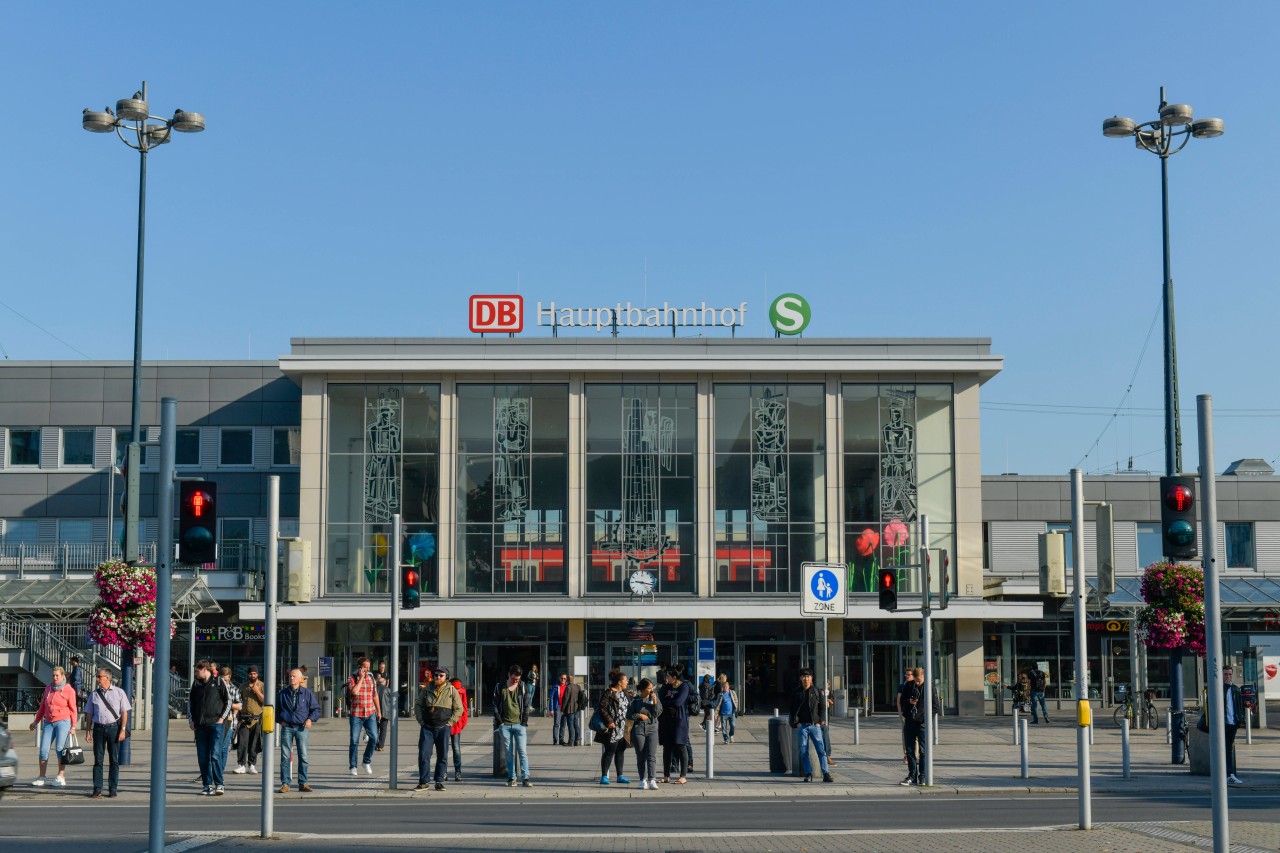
(125, 614)
(1174, 615)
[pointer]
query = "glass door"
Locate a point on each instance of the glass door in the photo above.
(495, 659)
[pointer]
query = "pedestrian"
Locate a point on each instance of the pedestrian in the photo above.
(695, 707)
(573, 702)
(231, 723)
(911, 710)
(531, 679)
(706, 700)
(208, 705)
(108, 718)
(727, 711)
(722, 681)
(76, 679)
(555, 704)
(510, 704)
(364, 710)
(387, 700)
(438, 708)
(1021, 690)
(58, 711)
(612, 709)
(808, 716)
(1036, 680)
(455, 731)
(253, 695)
(673, 725)
(1234, 710)
(642, 714)
(305, 677)
(297, 709)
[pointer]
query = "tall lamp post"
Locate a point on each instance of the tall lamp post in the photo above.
(1165, 137)
(133, 123)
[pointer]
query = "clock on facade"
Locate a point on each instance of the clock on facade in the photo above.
(642, 582)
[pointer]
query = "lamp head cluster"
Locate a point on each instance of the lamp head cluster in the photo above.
(1175, 126)
(134, 114)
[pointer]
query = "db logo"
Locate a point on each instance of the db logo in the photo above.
(496, 314)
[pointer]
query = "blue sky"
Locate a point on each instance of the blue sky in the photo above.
(912, 169)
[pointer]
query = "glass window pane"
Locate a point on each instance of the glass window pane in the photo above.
(237, 447)
(733, 418)
(77, 447)
(21, 531)
(1150, 545)
(862, 487)
(346, 494)
(346, 418)
(422, 419)
(475, 418)
(861, 419)
(24, 447)
(1239, 545)
(933, 418)
(187, 447)
(550, 418)
(75, 530)
(806, 405)
(935, 492)
(286, 446)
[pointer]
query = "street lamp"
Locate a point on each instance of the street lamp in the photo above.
(133, 123)
(1165, 137)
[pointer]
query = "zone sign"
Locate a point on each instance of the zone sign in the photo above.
(496, 313)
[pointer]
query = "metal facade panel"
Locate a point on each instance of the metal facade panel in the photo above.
(210, 446)
(1266, 546)
(262, 436)
(50, 443)
(104, 447)
(1015, 548)
(1126, 545)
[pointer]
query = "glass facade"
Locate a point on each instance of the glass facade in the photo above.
(898, 465)
(641, 488)
(770, 476)
(383, 455)
(513, 488)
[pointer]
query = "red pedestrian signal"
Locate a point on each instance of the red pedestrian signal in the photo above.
(887, 584)
(198, 523)
(1177, 517)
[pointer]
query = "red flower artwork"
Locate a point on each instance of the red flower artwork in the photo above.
(867, 542)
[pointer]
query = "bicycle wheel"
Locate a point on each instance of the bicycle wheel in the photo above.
(1152, 720)
(1123, 712)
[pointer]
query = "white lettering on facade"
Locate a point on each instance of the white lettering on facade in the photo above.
(626, 314)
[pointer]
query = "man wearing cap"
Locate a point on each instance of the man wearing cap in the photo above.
(439, 707)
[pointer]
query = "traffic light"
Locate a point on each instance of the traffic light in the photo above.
(887, 583)
(944, 579)
(1177, 517)
(410, 586)
(198, 522)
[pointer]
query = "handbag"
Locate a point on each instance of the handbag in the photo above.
(72, 753)
(597, 722)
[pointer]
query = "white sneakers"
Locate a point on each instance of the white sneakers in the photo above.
(253, 768)
(355, 772)
(60, 781)
(39, 782)
(1234, 779)
(240, 769)
(368, 768)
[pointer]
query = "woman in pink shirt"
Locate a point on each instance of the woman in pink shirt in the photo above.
(57, 711)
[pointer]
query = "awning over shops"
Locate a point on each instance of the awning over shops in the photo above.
(1239, 596)
(68, 598)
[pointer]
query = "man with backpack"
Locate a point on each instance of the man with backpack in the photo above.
(1035, 676)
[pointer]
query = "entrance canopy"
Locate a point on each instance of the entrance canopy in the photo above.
(70, 598)
(1240, 596)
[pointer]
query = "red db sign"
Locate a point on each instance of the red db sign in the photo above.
(496, 314)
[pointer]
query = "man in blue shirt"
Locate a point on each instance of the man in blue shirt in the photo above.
(297, 709)
(1234, 718)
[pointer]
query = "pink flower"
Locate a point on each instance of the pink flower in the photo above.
(895, 534)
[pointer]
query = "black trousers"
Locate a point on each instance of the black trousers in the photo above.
(250, 745)
(1231, 748)
(612, 753)
(913, 736)
(674, 757)
(106, 745)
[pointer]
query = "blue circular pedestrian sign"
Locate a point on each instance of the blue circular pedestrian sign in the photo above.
(824, 585)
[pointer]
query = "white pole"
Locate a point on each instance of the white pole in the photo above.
(1213, 630)
(1079, 592)
(393, 718)
(1124, 745)
(1022, 749)
(273, 679)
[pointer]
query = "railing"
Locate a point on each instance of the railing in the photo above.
(178, 691)
(55, 643)
(64, 558)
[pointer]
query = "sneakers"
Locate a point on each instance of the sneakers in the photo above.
(623, 780)
(1234, 779)
(604, 780)
(59, 781)
(422, 786)
(826, 777)
(39, 782)
(355, 772)
(653, 784)
(368, 768)
(527, 784)
(439, 786)
(908, 782)
(240, 768)
(206, 792)
(253, 768)
(306, 789)
(511, 783)
(808, 777)
(284, 789)
(219, 791)
(457, 775)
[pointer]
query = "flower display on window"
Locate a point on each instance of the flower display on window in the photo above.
(125, 614)
(1174, 615)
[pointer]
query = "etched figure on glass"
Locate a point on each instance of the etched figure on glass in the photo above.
(511, 464)
(898, 476)
(382, 449)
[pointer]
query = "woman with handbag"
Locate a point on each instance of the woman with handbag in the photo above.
(57, 711)
(612, 738)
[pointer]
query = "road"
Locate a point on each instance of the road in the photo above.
(748, 823)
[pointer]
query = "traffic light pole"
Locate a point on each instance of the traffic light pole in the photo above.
(164, 617)
(926, 636)
(1213, 629)
(393, 717)
(273, 681)
(1080, 594)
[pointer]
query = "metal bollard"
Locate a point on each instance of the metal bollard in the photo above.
(1022, 751)
(1091, 735)
(775, 713)
(1016, 739)
(1168, 726)
(936, 718)
(857, 729)
(1248, 727)
(1124, 745)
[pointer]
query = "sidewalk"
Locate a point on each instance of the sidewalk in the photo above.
(974, 756)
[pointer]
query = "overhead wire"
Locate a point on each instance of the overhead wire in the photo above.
(46, 331)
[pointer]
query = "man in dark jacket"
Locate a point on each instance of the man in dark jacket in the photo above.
(1234, 719)
(208, 704)
(439, 707)
(808, 716)
(911, 709)
(296, 710)
(510, 722)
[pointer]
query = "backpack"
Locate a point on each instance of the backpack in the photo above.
(1037, 681)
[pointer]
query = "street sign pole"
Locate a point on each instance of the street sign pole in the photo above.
(393, 717)
(926, 638)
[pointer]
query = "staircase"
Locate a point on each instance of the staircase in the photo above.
(50, 644)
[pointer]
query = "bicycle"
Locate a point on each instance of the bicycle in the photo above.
(1184, 730)
(1140, 714)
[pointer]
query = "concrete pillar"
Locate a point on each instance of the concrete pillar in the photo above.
(970, 686)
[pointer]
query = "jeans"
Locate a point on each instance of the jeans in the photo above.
(913, 736)
(455, 744)
(728, 726)
(569, 729)
(1035, 697)
(515, 743)
(432, 740)
(250, 745)
(208, 740)
(106, 746)
(224, 746)
(384, 725)
(804, 734)
(55, 735)
(557, 721)
(369, 725)
(646, 747)
(289, 735)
